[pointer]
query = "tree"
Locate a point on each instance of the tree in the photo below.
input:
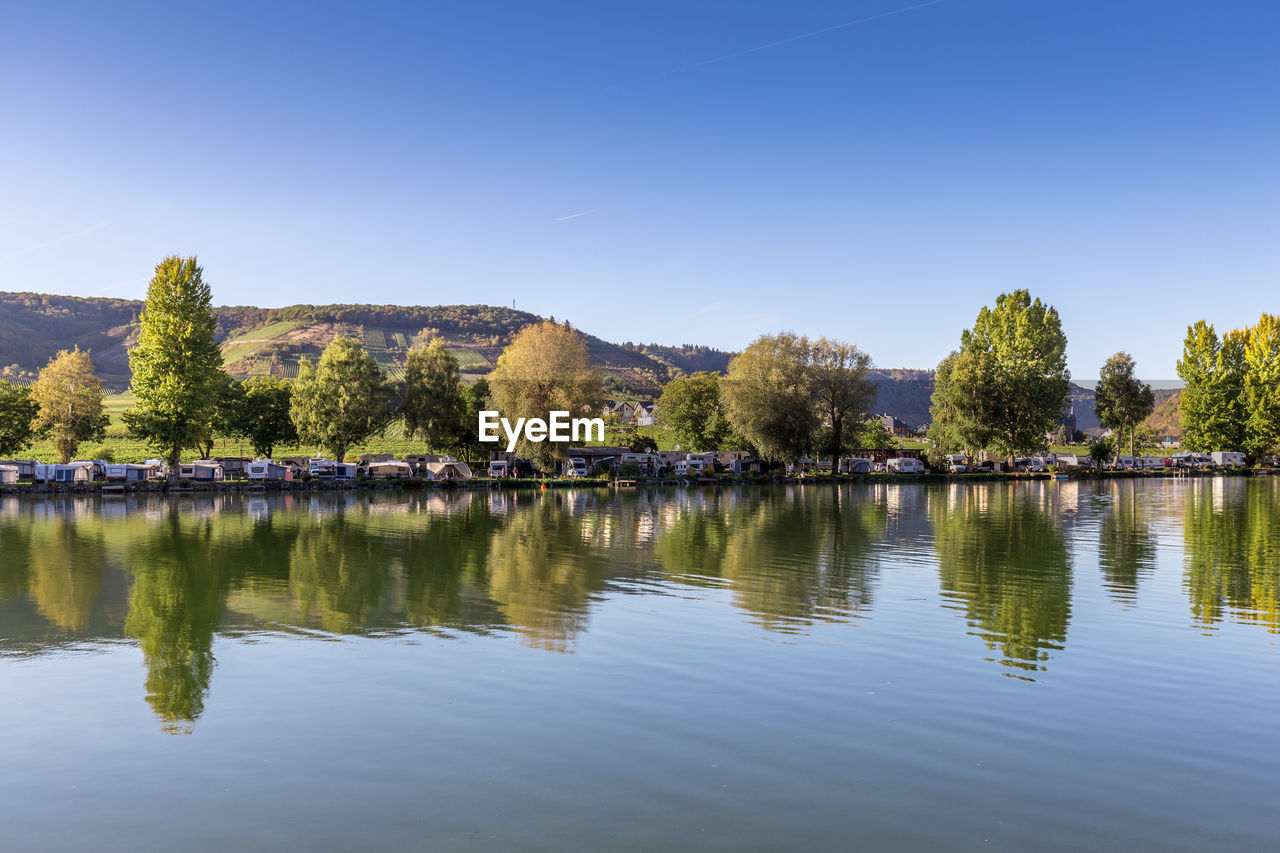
(260, 414)
(1101, 449)
(1210, 408)
(474, 399)
(544, 369)
(343, 399)
(840, 388)
(871, 434)
(1006, 387)
(691, 408)
(1121, 401)
(17, 416)
(768, 397)
(1262, 386)
(434, 404)
(177, 367)
(68, 394)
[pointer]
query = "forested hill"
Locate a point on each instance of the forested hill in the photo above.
(255, 341)
(34, 326)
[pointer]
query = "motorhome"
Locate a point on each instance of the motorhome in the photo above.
(499, 468)
(957, 463)
(1227, 458)
(904, 465)
(1151, 463)
(1126, 463)
(322, 469)
(576, 466)
(1191, 459)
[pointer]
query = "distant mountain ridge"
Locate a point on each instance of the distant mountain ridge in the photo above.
(258, 341)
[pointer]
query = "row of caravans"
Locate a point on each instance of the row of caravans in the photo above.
(958, 463)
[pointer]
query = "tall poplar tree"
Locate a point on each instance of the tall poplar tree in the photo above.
(1262, 386)
(342, 400)
(1120, 400)
(68, 394)
(434, 404)
(1210, 405)
(177, 366)
(1006, 387)
(17, 414)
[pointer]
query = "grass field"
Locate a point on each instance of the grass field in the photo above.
(234, 352)
(374, 338)
(468, 358)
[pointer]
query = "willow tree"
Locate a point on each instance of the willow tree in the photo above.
(1006, 387)
(342, 400)
(840, 388)
(545, 368)
(434, 403)
(768, 397)
(177, 366)
(1121, 401)
(68, 394)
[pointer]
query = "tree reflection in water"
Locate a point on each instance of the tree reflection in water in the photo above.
(1003, 560)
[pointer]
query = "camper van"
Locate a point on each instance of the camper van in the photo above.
(1151, 463)
(576, 467)
(693, 467)
(1227, 458)
(957, 463)
(904, 466)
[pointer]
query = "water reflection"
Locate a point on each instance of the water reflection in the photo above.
(1126, 543)
(1231, 528)
(172, 575)
(1003, 560)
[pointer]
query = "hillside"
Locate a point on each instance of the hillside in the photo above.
(1165, 420)
(257, 341)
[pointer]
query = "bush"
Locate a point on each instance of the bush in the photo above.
(106, 454)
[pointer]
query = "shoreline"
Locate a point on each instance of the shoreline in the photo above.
(277, 486)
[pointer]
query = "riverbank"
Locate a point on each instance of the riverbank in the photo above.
(108, 489)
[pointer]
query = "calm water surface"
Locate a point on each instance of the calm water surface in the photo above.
(1006, 666)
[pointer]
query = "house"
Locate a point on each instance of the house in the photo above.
(895, 427)
(265, 469)
(436, 471)
(130, 473)
(8, 474)
(646, 414)
(201, 471)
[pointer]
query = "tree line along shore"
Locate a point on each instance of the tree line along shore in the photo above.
(786, 397)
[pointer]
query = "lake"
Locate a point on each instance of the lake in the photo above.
(1005, 666)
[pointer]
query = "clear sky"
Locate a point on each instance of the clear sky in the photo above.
(662, 171)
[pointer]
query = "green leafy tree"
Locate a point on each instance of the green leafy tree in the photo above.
(177, 366)
(1262, 386)
(260, 414)
(871, 434)
(475, 399)
(1210, 405)
(691, 408)
(768, 397)
(544, 369)
(434, 404)
(1121, 401)
(1101, 449)
(1005, 388)
(17, 416)
(68, 394)
(343, 399)
(840, 388)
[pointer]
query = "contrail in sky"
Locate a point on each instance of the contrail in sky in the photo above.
(576, 215)
(801, 36)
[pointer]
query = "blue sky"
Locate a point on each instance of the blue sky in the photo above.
(877, 182)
